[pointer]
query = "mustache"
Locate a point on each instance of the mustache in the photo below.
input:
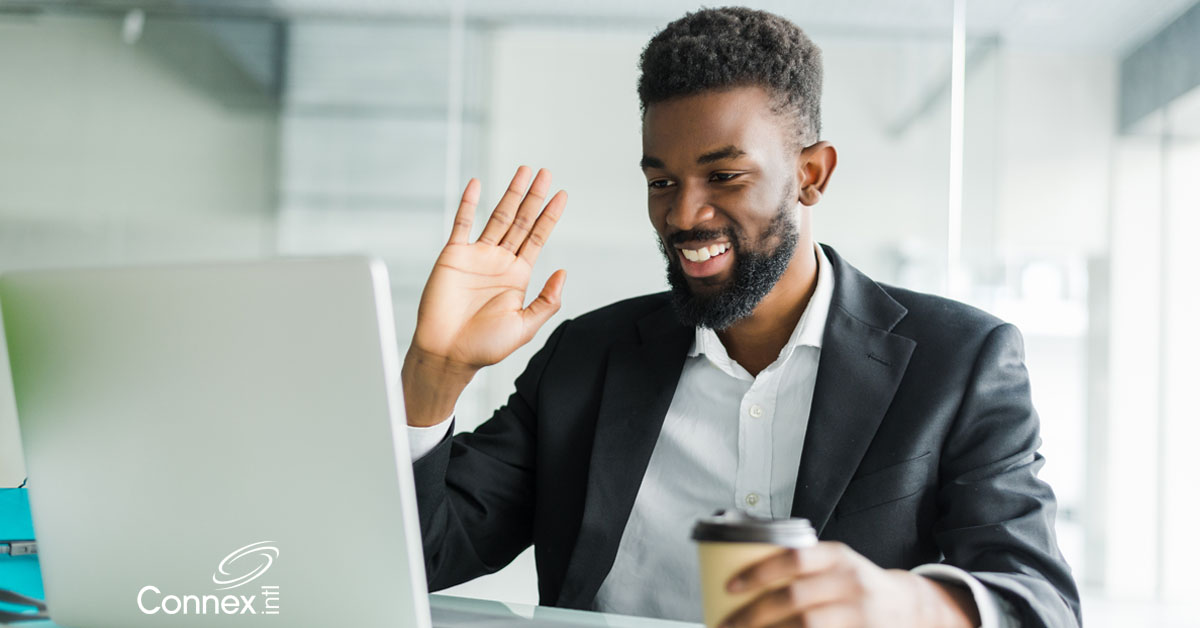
(701, 234)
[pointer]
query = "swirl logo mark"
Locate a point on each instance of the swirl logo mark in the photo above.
(225, 574)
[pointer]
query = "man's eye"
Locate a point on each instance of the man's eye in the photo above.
(659, 184)
(723, 176)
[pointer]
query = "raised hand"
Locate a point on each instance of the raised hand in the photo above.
(472, 312)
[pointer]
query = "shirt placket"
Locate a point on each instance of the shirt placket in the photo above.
(756, 415)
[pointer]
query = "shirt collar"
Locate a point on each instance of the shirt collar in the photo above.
(809, 331)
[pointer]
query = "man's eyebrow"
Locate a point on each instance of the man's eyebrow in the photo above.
(651, 162)
(727, 152)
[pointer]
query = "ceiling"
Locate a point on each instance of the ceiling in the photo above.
(1093, 26)
(1086, 25)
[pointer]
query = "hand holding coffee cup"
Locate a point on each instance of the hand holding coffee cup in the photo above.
(757, 572)
(728, 543)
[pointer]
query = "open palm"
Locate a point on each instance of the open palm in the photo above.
(472, 312)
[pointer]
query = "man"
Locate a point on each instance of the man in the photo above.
(773, 378)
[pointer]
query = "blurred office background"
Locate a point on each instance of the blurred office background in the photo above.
(1037, 158)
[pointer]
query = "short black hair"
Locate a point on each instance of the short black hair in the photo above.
(729, 47)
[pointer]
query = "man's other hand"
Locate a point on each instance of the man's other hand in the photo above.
(831, 585)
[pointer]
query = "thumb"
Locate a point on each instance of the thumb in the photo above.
(545, 305)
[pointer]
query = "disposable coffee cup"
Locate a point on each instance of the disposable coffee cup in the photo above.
(731, 541)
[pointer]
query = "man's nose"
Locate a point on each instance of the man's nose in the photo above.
(691, 208)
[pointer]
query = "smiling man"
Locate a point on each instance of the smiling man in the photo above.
(773, 378)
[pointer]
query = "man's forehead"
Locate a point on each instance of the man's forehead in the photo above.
(724, 105)
(731, 123)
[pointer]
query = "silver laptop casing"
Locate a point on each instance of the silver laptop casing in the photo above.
(217, 430)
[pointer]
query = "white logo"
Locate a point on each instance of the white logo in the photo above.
(268, 554)
(229, 575)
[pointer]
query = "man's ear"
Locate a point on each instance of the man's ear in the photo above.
(814, 167)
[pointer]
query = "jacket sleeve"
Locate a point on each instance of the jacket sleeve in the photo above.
(475, 491)
(997, 517)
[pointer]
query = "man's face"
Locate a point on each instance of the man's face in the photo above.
(722, 197)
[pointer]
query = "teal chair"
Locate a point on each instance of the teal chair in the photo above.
(20, 576)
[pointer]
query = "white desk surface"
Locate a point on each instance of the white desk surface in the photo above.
(455, 612)
(446, 609)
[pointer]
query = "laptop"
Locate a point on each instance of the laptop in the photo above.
(217, 444)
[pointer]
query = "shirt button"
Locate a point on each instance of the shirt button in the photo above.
(756, 410)
(752, 498)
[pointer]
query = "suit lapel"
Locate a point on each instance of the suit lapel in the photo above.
(640, 381)
(861, 366)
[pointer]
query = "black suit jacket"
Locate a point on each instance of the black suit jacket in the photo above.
(921, 447)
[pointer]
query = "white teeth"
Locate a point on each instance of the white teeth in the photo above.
(700, 255)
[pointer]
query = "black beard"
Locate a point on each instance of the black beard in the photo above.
(754, 273)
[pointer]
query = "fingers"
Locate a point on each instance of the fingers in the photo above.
(542, 228)
(527, 212)
(828, 616)
(506, 209)
(788, 603)
(813, 586)
(545, 305)
(789, 563)
(461, 231)
(519, 223)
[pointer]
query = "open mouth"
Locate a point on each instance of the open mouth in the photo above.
(703, 254)
(705, 261)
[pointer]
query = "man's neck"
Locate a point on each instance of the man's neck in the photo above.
(755, 341)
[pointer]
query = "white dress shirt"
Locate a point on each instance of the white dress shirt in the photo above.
(729, 440)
